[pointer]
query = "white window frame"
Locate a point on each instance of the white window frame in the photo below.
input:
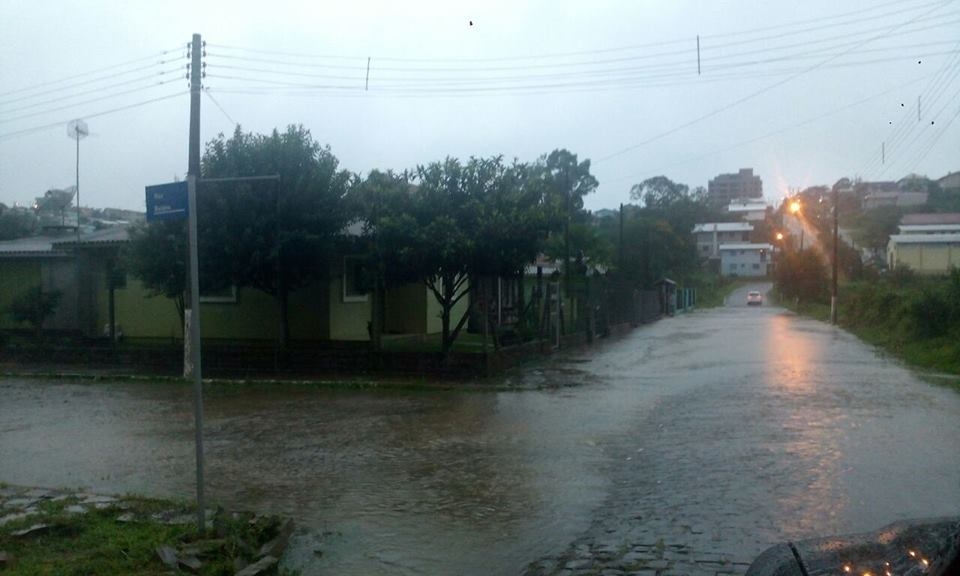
(220, 299)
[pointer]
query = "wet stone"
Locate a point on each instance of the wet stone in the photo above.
(261, 566)
(191, 564)
(126, 517)
(33, 530)
(76, 509)
(14, 517)
(168, 556)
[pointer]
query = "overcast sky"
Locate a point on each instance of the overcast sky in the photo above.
(803, 92)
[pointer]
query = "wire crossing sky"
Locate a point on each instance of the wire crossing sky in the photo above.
(804, 94)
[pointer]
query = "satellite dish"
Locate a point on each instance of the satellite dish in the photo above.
(77, 129)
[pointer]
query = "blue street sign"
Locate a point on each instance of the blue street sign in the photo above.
(167, 201)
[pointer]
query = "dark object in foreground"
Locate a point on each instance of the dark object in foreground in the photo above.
(911, 547)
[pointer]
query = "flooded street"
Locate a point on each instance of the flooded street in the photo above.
(724, 431)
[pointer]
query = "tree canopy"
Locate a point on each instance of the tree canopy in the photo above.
(274, 236)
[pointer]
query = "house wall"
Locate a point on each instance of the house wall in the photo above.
(254, 316)
(927, 258)
(743, 263)
(407, 309)
(348, 320)
(16, 275)
(61, 274)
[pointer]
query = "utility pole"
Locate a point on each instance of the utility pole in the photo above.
(836, 252)
(192, 363)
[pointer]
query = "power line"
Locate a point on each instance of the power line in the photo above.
(752, 95)
(217, 104)
(89, 72)
(787, 128)
(89, 101)
(139, 79)
(859, 16)
(61, 123)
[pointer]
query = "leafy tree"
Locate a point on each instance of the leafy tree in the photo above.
(659, 192)
(874, 227)
(274, 237)
(34, 307)
(157, 255)
(563, 182)
(802, 276)
(16, 223)
(459, 221)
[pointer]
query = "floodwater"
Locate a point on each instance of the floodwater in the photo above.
(727, 430)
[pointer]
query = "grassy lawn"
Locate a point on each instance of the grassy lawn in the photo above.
(122, 536)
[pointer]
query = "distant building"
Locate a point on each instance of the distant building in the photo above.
(745, 259)
(898, 198)
(712, 235)
(942, 218)
(950, 182)
(749, 210)
(929, 246)
(742, 185)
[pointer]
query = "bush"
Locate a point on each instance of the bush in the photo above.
(33, 307)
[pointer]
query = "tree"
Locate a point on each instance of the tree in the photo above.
(157, 256)
(874, 227)
(16, 223)
(274, 237)
(659, 192)
(563, 182)
(34, 307)
(456, 222)
(802, 276)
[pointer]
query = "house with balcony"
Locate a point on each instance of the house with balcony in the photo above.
(711, 236)
(746, 259)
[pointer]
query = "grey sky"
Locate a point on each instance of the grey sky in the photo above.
(824, 83)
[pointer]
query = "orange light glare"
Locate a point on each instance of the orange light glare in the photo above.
(794, 207)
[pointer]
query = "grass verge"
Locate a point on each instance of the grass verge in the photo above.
(83, 534)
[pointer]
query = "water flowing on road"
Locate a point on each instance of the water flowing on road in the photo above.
(723, 430)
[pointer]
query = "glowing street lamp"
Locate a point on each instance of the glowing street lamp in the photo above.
(779, 236)
(795, 207)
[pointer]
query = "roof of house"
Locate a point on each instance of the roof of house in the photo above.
(746, 246)
(32, 246)
(925, 238)
(723, 227)
(112, 235)
(928, 228)
(930, 218)
(54, 246)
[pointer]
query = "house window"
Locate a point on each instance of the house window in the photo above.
(354, 289)
(733, 267)
(226, 295)
(756, 266)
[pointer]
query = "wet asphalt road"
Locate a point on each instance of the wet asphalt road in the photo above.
(688, 447)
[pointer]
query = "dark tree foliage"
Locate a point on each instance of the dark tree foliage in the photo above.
(802, 276)
(272, 236)
(16, 223)
(157, 256)
(34, 307)
(451, 222)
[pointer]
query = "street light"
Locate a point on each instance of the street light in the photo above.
(795, 207)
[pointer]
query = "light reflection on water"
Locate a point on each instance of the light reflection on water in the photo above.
(812, 426)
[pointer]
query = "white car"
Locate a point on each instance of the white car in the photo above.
(754, 298)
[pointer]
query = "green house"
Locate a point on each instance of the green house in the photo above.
(97, 294)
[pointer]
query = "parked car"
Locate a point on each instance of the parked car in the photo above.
(754, 298)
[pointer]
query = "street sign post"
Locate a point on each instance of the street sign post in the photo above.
(167, 201)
